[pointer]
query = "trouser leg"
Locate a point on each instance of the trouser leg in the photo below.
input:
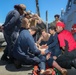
(42, 66)
(4, 56)
(12, 42)
(50, 62)
(65, 64)
(66, 59)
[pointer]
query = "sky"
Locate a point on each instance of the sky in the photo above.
(52, 6)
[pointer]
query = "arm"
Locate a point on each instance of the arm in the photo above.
(38, 18)
(61, 42)
(63, 48)
(50, 40)
(32, 45)
(55, 41)
(39, 41)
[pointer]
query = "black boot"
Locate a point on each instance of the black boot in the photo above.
(17, 64)
(74, 63)
(11, 59)
(4, 58)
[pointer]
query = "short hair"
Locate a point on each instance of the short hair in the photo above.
(34, 28)
(43, 30)
(52, 28)
(56, 16)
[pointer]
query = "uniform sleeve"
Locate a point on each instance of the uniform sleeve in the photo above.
(61, 40)
(55, 41)
(12, 21)
(50, 40)
(32, 45)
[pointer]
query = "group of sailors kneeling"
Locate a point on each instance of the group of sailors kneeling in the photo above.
(19, 30)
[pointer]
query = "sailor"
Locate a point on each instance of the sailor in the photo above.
(25, 42)
(11, 27)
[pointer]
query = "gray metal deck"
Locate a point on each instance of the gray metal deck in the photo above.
(9, 69)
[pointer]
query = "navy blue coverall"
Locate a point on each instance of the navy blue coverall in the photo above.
(24, 43)
(53, 45)
(11, 29)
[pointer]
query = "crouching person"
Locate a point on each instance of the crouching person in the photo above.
(68, 44)
(24, 42)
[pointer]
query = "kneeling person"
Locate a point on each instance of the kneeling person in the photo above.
(25, 42)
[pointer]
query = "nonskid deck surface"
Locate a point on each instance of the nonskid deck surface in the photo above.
(9, 69)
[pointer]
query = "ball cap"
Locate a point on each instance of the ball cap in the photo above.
(61, 24)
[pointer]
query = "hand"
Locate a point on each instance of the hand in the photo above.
(44, 46)
(48, 56)
(54, 57)
(37, 45)
(42, 51)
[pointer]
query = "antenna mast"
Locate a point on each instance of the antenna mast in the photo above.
(37, 8)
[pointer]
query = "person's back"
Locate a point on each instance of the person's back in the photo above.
(24, 42)
(11, 21)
